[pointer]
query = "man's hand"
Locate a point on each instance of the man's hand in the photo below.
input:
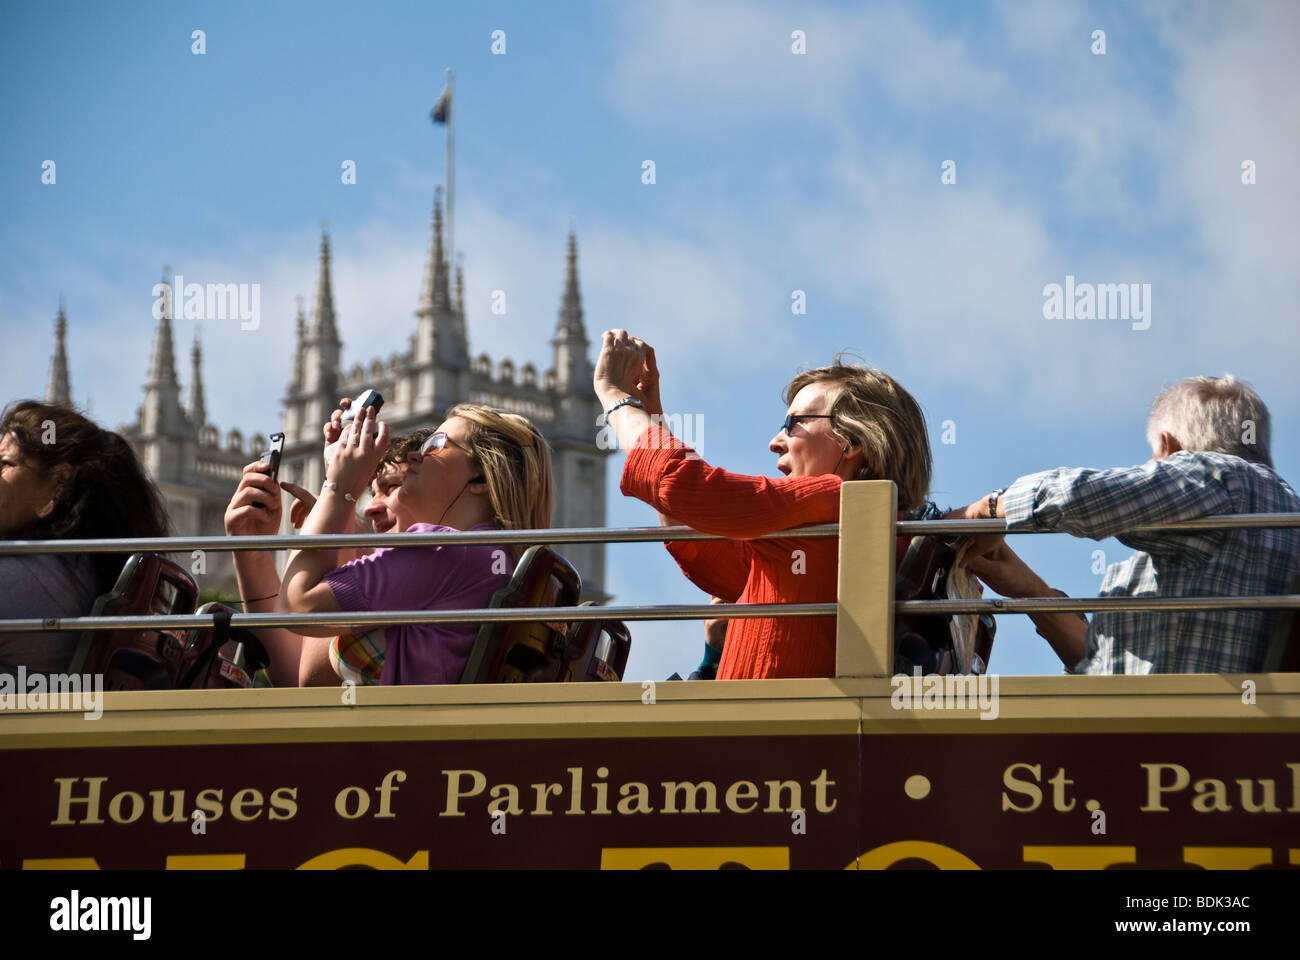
(255, 508)
(978, 544)
(715, 631)
(303, 501)
(1002, 569)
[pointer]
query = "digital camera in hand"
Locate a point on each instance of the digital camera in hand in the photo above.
(271, 458)
(367, 398)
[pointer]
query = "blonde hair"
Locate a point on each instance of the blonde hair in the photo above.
(871, 408)
(515, 462)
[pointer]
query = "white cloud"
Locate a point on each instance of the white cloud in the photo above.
(730, 58)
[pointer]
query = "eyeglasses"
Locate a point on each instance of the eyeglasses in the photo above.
(436, 442)
(792, 420)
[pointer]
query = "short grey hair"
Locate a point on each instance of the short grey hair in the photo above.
(1215, 414)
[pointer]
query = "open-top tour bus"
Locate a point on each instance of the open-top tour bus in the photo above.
(860, 770)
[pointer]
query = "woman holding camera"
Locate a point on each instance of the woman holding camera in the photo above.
(481, 469)
(843, 422)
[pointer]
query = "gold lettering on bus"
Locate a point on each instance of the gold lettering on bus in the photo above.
(885, 856)
(1079, 857)
(695, 858)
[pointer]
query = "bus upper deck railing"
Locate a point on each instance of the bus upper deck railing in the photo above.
(864, 610)
(903, 528)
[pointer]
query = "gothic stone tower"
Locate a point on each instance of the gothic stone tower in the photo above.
(197, 469)
(436, 372)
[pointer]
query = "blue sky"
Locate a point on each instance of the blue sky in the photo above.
(774, 172)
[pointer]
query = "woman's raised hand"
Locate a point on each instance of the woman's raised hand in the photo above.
(334, 425)
(358, 454)
(627, 365)
(648, 386)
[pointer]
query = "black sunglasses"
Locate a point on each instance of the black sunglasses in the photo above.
(792, 420)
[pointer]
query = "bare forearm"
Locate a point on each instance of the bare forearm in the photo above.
(1066, 633)
(314, 668)
(259, 587)
(306, 569)
(628, 421)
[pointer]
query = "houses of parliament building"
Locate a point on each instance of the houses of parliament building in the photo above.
(197, 466)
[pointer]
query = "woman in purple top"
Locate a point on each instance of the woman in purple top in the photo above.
(482, 469)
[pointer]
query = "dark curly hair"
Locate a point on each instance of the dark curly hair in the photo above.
(102, 491)
(400, 448)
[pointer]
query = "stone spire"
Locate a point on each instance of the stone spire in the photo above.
(300, 344)
(572, 369)
(322, 315)
(161, 413)
(571, 303)
(57, 389)
(196, 408)
(462, 333)
(322, 347)
(162, 363)
(439, 335)
(434, 295)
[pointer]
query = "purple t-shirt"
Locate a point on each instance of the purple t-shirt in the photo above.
(423, 578)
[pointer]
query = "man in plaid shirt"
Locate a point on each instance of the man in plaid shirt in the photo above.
(1210, 447)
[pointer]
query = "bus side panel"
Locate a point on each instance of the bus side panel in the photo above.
(1081, 801)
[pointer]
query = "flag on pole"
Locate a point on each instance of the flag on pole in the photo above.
(442, 109)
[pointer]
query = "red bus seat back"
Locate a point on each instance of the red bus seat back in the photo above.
(597, 650)
(541, 652)
(136, 659)
(220, 657)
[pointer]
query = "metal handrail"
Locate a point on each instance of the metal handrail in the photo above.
(576, 535)
(633, 612)
(727, 611)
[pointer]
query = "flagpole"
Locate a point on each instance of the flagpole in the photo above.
(451, 119)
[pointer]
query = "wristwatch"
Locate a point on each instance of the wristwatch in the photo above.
(993, 502)
(331, 485)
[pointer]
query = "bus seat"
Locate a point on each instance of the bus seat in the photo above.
(220, 656)
(541, 652)
(135, 659)
(597, 650)
(1284, 647)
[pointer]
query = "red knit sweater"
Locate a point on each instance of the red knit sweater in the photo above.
(668, 475)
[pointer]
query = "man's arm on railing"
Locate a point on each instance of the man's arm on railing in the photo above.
(1105, 503)
(1003, 570)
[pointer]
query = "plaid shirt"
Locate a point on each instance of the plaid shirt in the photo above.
(1182, 486)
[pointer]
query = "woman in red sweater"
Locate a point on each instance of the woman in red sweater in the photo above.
(843, 422)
